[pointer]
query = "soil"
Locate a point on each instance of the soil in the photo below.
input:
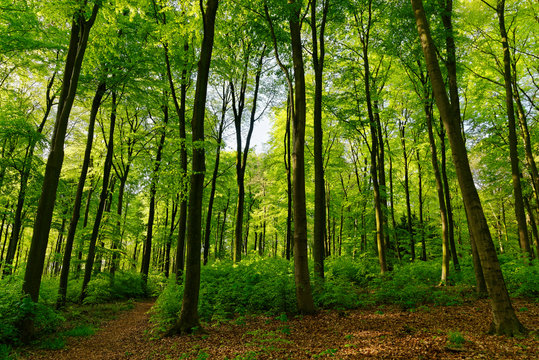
(433, 332)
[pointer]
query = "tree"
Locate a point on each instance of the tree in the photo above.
(80, 31)
(319, 191)
(301, 270)
(188, 321)
(62, 289)
(504, 318)
(511, 122)
(107, 166)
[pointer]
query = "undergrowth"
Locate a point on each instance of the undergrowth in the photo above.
(48, 321)
(266, 286)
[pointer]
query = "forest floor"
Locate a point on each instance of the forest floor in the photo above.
(429, 332)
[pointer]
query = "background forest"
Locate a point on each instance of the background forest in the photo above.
(128, 157)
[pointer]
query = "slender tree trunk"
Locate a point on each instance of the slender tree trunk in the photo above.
(25, 176)
(80, 31)
(447, 194)
(439, 190)
(533, 224)
(420, 203)
(513, 142)
(188, 320)
(504, 318)
(146, 252)
(287, 163)
(241, 156)
(166, 266)
(102, 199)
(407, 192)
(301, 270)
(207, 232)
(62, 289)
(319, 191)
(180, 111)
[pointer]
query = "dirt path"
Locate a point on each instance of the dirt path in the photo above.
(116, 339)
(379, 333)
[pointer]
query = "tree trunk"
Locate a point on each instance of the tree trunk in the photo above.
(407, 192)
(420, 203)
(188, 320)
(504, 318)
(147, 249)
(287, 163)
(319, 191)
(23, 184)
(439, 189)
(102, 199)
(180, 111)
(447, 194)
(301, 269)
(34, 269)
(62, 289)
(520, 214)
(207, 232)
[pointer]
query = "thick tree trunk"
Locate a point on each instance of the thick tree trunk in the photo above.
(80, 31)
(62, 289)
(520, 214)
(102, 200)
(504, 318)
(188, 320)
(301, 269)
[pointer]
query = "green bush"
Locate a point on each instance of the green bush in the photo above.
(167, 307)
(521, 277)
(255, 285)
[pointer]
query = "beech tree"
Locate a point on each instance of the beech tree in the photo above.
(504, 318)
(80, 32)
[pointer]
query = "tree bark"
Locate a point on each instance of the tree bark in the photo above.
(147, 248)
(102, 200)
(520, 214)
(319, 191)
(207, 232)
(407, 192)
(62, 289)
(80, 31)
(189, 321)
(504, 318)
(301, 270)
(379, 215)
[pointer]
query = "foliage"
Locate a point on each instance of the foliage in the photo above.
(125, 285)
(521, 277)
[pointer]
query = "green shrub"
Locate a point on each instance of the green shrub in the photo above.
(167, 307)
(522, 278)
(99, 290)
(337, 293)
